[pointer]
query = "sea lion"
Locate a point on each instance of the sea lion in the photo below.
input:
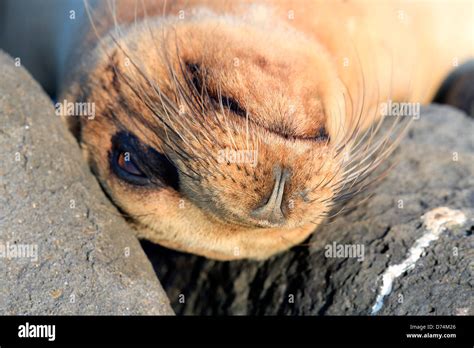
(231, 129)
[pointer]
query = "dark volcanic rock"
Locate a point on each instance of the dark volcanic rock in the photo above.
(78, 255)
(436, 169)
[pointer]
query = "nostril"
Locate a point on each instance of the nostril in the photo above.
(271, 211)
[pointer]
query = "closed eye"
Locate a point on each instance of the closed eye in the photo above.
(322, 134)
(197, 73)
(231, 104)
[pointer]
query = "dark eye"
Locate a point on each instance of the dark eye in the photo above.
(138, 164)
(125, 163)
(126, 169)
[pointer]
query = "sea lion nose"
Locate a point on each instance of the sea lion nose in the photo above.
(271, 211)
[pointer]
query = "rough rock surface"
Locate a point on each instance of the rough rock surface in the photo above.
(436, 169)
(88, 261)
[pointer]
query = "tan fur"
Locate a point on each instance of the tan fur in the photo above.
(284, 62)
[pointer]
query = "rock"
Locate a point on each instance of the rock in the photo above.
(436, 169)
(78, 256)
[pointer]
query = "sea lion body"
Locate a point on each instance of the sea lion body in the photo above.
(241, 118)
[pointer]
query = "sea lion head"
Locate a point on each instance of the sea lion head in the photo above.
(214, 134)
